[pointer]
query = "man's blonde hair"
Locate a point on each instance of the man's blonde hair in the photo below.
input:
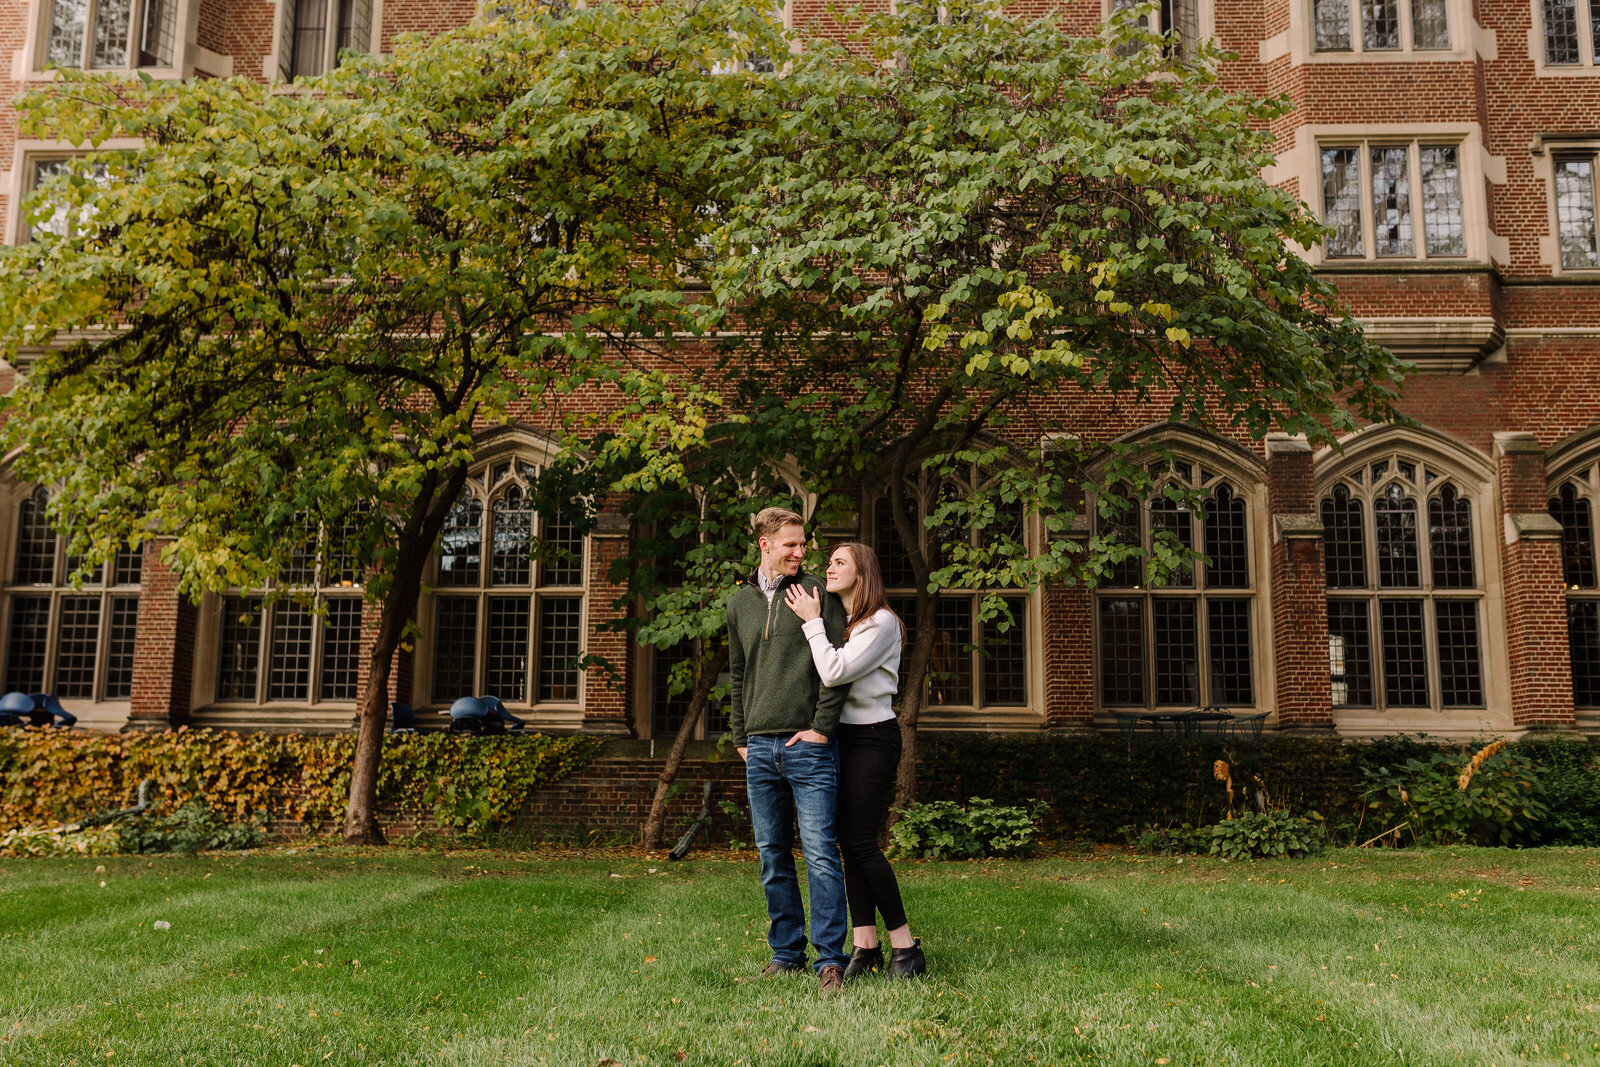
(769, 521)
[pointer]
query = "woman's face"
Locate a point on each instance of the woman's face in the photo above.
(841, 572)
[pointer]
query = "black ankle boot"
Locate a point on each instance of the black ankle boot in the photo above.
(907, 962)
(864, 961)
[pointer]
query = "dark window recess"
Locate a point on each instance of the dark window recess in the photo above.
(513, 529)
(455, 644)
(1577, 533)
(1228, 625)
(36, 542)
(1561, 32)
(667, 712)
(240, 660)
(461, 560)
(1169, 517)
(951, 673)
(30, 630)
(1450, 540)
(1225, 542)
(1583, 638)
(119, 647)
(309, 37)
(128, 567)
(560, 641)
(77, 639)
(906, 608)
(289, 664)
(1460, 681)
(1177, 651)
(1120, 526)
(1350, 653)
(893, 559)
(341, 650)
(562, 550)
(300, 563)
(507, 677)
(1344, 541)
(1122, 652)
(1005, 666)
(1395, 520)
(343, 565)
(1405, 659)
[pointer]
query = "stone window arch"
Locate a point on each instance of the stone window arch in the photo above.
(1197, 640)
(1405, 570)
(1574, 496)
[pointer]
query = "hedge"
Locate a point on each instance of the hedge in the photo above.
(1095, 785)
(466, 783)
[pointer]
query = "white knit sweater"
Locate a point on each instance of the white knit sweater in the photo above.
(869, 663)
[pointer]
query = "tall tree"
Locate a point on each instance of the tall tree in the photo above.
(290, 311)
(975, 236)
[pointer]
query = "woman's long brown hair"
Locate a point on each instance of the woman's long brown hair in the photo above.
(869, 587)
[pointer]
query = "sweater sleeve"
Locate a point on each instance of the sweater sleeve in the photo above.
(830, 698)
(862, 654)
(736, 672)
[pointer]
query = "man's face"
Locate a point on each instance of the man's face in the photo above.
(782, 552)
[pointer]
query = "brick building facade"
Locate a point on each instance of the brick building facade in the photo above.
(1440, 578)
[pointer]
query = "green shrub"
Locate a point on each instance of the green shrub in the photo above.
(56, 841)
(1268, 835)
(945, 830)
(1168, 840)
(192, 829)
(1570, 773)
(1499, 803)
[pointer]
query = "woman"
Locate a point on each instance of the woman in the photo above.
(869, 750)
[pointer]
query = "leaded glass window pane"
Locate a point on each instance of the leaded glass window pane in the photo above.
(1460, 684)
(341, 650)
(355, 25)
(25, 645)
(1350, 653)
(128, 567)
(1122, 652)
(1577, 538)
(119, 647)
(1561, 32)
(300, 563)
(906, 608)
(343, 565)
(77, 641)
(512, 531)
(667, 711)
(1005, 664)
(1450, 540)
(240, 658)
(289, 662)
(1583, 639)
(461, 560)
(455, 648)
(507, 677)
(1332, 22)
(1225, 542)
(951, 671)
(893, 558)
(1119, 525)
(1228, 624)
(68, 19)
(111, 33)
(563, 553)
(1341, 201)
(1344, 541)
(160, 29)
(1575, 213)
(1169, 517)
(1441, 200)
(1177, 650)
(1405, 661)
(1380, 25)
(560, 642)
(1391, 200)
(1395, 520)
(310, 37)
(36, 543)
(1430, 25)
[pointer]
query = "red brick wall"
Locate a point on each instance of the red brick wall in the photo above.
(163, 648)
(1299, 594)
(1535, 596)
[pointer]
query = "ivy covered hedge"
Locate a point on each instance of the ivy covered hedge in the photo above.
(1096, 785)
(466, 783)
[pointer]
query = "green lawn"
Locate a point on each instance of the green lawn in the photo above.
(1445, 956)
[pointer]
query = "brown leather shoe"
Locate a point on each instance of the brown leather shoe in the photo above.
(776, 968)
(830, 983)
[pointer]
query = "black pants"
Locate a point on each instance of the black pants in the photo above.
(869, 757)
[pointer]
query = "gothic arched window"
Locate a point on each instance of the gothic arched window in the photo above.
(1574, 505)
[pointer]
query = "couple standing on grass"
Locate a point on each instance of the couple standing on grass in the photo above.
(814, 675)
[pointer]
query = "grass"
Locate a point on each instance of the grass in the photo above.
(333, 957)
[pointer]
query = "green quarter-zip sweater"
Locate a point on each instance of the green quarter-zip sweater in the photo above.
(776, 691)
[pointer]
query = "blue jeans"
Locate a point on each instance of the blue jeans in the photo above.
(785, 783)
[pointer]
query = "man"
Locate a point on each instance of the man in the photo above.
(783, 721)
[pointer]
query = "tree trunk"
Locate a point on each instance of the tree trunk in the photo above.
(911, 705)
(699, 697)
